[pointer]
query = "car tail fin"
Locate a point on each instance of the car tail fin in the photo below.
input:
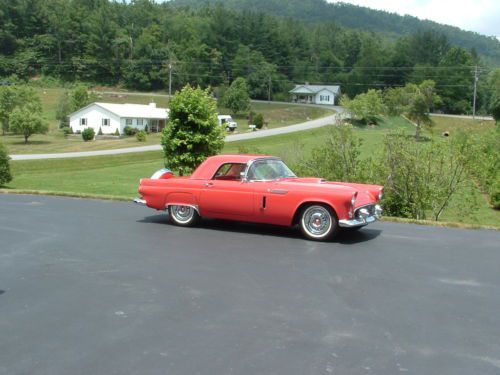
(162, 174)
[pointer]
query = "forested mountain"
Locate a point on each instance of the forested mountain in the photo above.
(138, 44)
(353, 16)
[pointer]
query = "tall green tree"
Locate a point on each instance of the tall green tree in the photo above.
(63, 110)
(79, 97)
(27, 122)
(456, 80)
(366, 106)
(193, 132)
(236, 97)
(26, 118)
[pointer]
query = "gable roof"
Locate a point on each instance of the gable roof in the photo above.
(314, 89)
(131, 110)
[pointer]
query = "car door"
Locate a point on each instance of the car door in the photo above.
(226, 195)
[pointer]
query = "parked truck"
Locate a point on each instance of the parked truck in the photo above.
(228, 122)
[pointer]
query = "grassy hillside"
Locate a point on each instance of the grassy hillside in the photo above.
(118, 175)
(363, 18)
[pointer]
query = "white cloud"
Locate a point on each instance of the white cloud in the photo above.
(482, 16)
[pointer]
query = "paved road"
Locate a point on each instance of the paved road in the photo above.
(312, 124)
(102, 287)
(488, 118)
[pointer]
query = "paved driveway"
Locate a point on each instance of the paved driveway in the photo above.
(101, 287)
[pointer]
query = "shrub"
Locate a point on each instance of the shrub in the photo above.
(5, 175)
(485, 163)
(88, 134)
(100, 131)
(423, 177)
(141, 136)
(130, 131)
(259, 120)
(193, 132)
(146, 129)
(251, 117)
(337, 159)
(117, 132)
(67, 130)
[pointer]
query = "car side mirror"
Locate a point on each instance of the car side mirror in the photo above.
(243, 177)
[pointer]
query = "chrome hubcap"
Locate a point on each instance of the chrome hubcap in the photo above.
(182, 213)
(317, 220)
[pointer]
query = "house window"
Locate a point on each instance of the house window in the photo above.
(83, 121)
(105, 122)
(128, 122)
(140, 121)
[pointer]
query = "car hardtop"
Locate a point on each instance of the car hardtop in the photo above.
(207, 169)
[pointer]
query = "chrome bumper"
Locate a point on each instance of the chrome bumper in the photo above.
(140, 201)
(362, 217)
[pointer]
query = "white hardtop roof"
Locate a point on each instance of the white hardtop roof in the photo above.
(313, 89)
(132, 110)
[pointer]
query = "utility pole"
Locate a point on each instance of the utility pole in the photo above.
(169, 80)
(475, 92)
(269, 90)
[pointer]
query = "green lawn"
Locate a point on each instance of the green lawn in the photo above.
(119, 175)
(54, 141)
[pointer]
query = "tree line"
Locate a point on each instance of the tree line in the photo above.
(141, 44)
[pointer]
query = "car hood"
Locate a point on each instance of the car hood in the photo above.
(366, 193)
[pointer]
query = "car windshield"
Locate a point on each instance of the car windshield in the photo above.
(269, 169)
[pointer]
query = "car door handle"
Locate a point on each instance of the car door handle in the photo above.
(209, 184)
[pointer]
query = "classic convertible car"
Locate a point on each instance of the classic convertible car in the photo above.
(261, 189)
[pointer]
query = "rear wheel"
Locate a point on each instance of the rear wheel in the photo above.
(185, 216)
(318, 223)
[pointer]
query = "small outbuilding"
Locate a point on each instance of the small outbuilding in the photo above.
(315, 94)
(110, 117)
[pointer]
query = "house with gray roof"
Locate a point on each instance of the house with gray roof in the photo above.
(315, 94)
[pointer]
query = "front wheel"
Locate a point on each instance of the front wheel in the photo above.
(318, 223)
(185, 216)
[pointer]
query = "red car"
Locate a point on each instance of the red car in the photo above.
(261, 189)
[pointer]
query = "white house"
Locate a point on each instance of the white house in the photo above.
(315, 94)
(110, 117)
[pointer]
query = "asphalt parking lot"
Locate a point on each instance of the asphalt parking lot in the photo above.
(102, 287)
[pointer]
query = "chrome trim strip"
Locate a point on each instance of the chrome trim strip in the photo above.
(357, 222)
(194, 206)
(278, 191)
(140, 201)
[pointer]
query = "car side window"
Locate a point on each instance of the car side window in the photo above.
(230, 172)
(262, 171)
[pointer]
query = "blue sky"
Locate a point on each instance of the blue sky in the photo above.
(482, 16)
